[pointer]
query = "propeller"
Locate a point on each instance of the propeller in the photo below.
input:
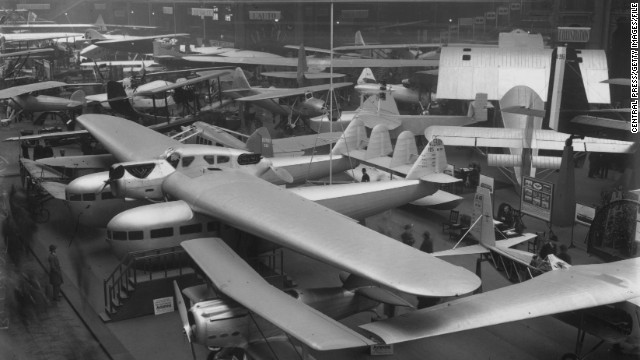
(282, 174)
(182, 309)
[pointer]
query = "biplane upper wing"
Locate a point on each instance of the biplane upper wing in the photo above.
(314, 62)
(124, 141)
(209, 75)
(235, 278)
(24, 89)
(142, 44)
(575, 288)
(10, 37)
(278, 93)
(519, 138)
(25, 52)
(240, 199)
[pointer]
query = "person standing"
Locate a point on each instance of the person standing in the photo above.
(407, 235)
(427, 244)
(55, 273)
(564, 254)
(365, 176)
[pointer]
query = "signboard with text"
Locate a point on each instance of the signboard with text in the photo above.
(536, 198)
(264, 15)
(167, 10)
(486, 182)
(163, 305)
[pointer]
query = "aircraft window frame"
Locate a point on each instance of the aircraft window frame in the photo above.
(140, 171)
(118, 235)
(249, 159)
(222, 159)
(186, 161)
(466, 57)
(210, 159)
(89, 197)
(136, 235)
(161, 232)
(190, 229)
(74, 197)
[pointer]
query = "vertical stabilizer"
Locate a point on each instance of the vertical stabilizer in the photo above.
(260, 142)
(482, 207)
(381, 104)
(358, 39)
(100, 23)
(367, 77)
(433, 160)
(379, 142)
(405, 151)
(240, 81)
(556, 91)
(353, 138)
(302, 66)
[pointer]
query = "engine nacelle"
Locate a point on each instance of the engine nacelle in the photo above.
(219, 324)
(139, 180)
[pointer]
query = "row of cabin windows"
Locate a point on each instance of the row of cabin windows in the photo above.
(210, 159)
(235, 333)
(212, 226)
(90, 196)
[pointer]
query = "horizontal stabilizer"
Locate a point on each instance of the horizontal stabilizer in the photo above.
(440, 200)
(234, 277)
(521, 110)
(55, 189)
(440, 178)
(40, 171)
(579, 287)
(372, 120)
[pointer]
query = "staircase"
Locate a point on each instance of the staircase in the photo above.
(143, 276)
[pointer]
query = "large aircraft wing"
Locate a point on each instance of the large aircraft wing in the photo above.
(54, 135)
(209, 75)
(142, 44)
(279, 93)
(314, 62)
(25, 52)
(553, 292)
(387, 46)
(126, 140)
(235, 278)
(11, 37)
(289, 220)
(519, 138)
(303, 142)
(24, 89)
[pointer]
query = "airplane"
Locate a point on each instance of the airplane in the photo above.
(382, 109)
(22, 100)
(197, 180)
(123, 43)
(367, 85)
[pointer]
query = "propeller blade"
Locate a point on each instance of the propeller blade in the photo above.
(283, 174)
(182, 309)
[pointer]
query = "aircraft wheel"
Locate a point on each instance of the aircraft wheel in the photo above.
(569, 356)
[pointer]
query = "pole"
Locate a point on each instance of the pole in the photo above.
(330, 93)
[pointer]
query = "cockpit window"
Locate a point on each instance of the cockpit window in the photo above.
(174, 159)
(141, 171)
(210, 159)
(249, 159)
(223, 159)
(187, 160)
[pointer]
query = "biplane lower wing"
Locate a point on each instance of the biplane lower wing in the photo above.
(239, 199)
(235, 278)
(578, 287)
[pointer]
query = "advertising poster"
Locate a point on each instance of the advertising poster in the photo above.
(536, 198)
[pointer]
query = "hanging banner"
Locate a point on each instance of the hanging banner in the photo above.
(264, 15)
(536, 198)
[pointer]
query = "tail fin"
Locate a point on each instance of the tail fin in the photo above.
(240, 81)
(92, 34)
(367, 77)
(483, 230)
(478, 107)
(353, 138)
(405, 151)
(382, 103)
(379, 143)
(302, 66)
(433, 160)
(79, 96)
(358, 38)
(119, 101)
(260, 142)
(100, 23)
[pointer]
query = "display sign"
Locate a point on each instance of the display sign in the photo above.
(33, 6)
(167, 10)
(465, 21)
(381, 349)
(100, 6)
(503, 10)
(486, 182)
(490, 15)
(536, 198)
(264, 15)
(515, 6)
(574, 34)
(585, 214)
(202, 12)
(163, 305)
